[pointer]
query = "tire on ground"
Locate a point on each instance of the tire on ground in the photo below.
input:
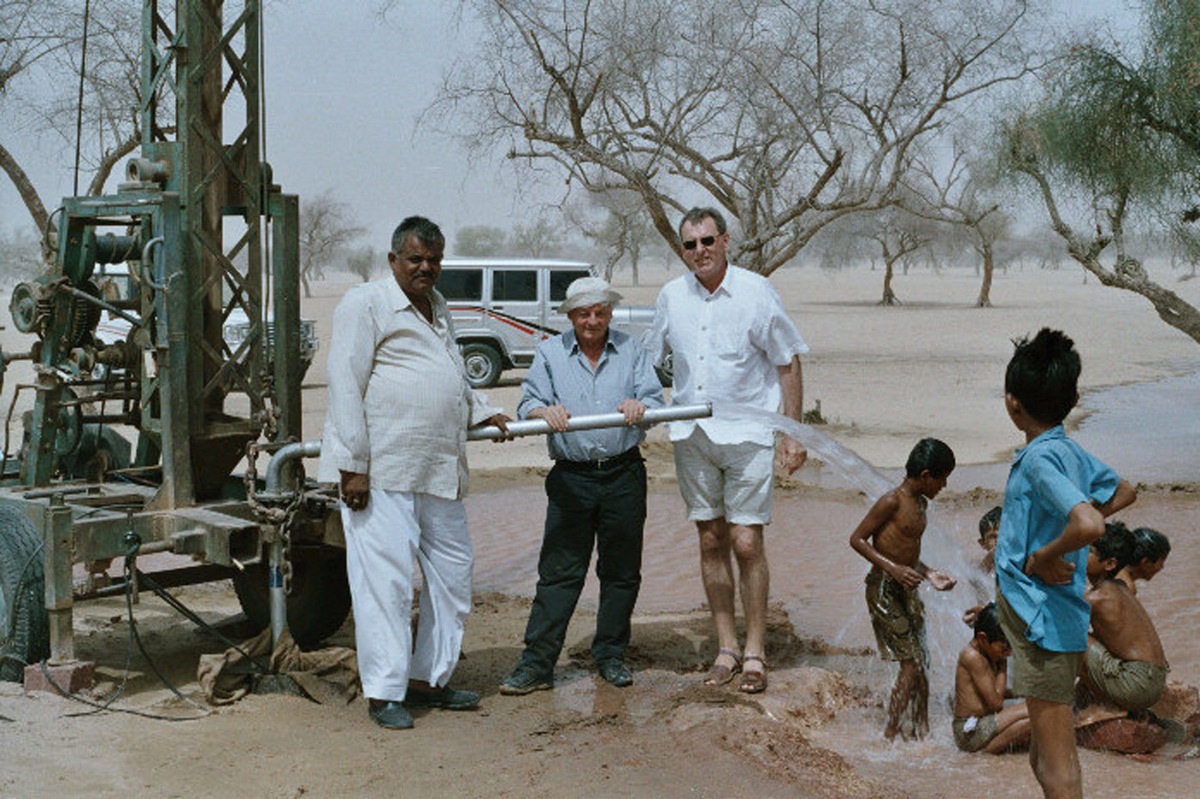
(320, 598)
(483, 364)
(24, 625)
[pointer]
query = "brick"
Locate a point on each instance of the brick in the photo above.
(76, 676)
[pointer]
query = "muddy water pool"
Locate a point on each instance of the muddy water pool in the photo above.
(817, 579)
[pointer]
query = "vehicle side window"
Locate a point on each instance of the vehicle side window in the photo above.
(461, 284)
(514, 285)
(560, 279)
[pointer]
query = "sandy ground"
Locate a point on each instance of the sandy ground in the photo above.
(883, 376)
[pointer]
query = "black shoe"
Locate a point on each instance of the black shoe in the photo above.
(525, 681)
(446, 698)
(391, 715)
(616, 673)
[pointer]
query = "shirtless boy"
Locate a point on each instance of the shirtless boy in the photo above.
(985, 589)
(890, 538)
(1125, 664)
(1150, 550)
(989, 532)
(981, 721)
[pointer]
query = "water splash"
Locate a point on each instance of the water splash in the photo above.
(945, 631)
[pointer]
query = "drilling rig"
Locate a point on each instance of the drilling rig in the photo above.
(130, 447)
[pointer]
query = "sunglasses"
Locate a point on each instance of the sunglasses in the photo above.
(707, 241)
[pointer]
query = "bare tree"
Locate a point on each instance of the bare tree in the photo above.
(480, 240)
(325, 230)
(621, 229)
(364, 262)
(40, 64)
(898, 235)
(537, 238)
(20, 256)
(787, 114)
(957, 195)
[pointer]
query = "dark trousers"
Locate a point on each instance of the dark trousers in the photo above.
(605, 505)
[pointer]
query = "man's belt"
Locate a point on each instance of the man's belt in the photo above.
(628, 456)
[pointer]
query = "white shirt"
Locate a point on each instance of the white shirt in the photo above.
(727, 347)
(399, 401)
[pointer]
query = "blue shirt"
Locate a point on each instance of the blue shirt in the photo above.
(1049, 476)
(562, 375)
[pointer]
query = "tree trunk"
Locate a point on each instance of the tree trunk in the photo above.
(889, 296)
(985, 288)
(29, 196)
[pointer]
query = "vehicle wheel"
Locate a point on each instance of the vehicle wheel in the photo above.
(666, 372)
(320, 598)
(483, 365)
(25, 630)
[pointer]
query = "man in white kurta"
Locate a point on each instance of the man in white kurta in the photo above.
(395, 442)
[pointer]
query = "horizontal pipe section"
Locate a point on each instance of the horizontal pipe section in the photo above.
(529, 427)
(536, 427)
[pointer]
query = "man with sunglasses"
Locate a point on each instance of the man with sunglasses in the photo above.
(731, 344)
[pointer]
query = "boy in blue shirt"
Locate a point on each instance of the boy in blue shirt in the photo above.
(1054, 507)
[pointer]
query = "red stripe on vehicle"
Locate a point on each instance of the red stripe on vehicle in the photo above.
(511, 321)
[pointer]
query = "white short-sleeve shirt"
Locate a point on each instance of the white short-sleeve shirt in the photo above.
(727, 347)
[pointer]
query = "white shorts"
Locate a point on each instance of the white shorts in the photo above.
(731, 481)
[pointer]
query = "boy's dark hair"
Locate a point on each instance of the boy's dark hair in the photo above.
(1117, 543)
(987, 621)
(990, 520)
(929, 455)
(1149, 545)
(424, 229)
(1043, 375)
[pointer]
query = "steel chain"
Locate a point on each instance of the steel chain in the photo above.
(285, 531)
(284, 517)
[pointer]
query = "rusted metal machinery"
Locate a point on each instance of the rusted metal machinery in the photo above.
(205, 234)
(129, 448)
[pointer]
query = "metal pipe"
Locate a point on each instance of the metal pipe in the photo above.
(530, 427)
(278, 598)
(112, 309)
(534, 427)
(146, 264)
(286, 453)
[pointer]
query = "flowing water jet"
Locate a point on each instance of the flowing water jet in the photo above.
(945, 632)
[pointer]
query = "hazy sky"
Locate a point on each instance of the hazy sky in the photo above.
(343, 94)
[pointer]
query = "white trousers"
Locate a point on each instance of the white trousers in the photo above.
(382, 543)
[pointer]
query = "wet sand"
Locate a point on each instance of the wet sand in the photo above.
(885, 377)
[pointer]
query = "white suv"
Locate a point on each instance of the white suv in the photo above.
(503, 307)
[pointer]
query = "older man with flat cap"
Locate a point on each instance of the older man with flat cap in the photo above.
(597, 488)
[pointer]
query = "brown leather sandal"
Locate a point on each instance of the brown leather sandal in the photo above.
(720, 674)
(753, 682)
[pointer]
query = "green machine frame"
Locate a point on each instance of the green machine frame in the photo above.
(205, 232)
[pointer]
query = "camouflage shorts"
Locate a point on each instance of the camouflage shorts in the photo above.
(898, 618)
